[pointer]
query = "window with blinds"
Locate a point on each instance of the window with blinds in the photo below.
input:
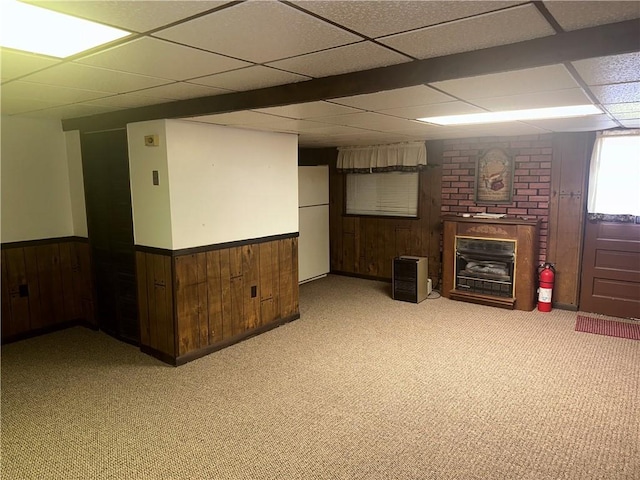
(384, 194)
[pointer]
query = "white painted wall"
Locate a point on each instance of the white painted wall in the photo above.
(35, 196)
(76, 183)
(229, 184)
(313, 244)
(150, 203)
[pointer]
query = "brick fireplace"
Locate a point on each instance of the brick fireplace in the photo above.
(532, 179)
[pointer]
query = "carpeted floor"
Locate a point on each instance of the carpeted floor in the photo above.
(361, 387)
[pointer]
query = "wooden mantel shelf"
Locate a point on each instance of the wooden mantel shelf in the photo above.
(524, 231)
(499, 221)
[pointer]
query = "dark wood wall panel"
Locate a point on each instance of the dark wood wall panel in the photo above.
(37, 314)
(225, 294)
(19, 320)
(214, 298)
(45, 284)
(288, 268)
(83, 281)
(366, 245)
(50, 282)
(269, 282)
(221, 296)
(569, 173)
(251, 285)
(5, 296)
(155, 302)
(188, 302)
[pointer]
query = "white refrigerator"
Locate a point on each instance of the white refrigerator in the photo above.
(313, 202)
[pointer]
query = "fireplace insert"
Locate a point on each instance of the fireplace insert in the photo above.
(485, 266)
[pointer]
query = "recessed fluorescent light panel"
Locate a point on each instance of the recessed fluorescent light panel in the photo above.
(515, 115)
(38, 30)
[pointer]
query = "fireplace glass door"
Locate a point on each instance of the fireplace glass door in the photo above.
(485, 266)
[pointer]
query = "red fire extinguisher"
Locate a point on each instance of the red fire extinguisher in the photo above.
(546, 277)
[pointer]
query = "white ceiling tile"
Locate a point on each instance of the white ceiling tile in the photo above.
(244, 117)
(626, 116)
(489, 30)
(365, 138)
(378, 138)
(350, 119)
(618, 93)
(516, 82)
(134, 15)
(290, 125)
(349, 58)
(417, 128)
(437, 109)
(14, 64)
(503, 129)
(631, 107)
(631, 123)
(249, 78)
(572, 15)
(326, 129)
(378, 18)
(401, 97)
(568, 96)
(71, 111)
(181, 91)
(494, 130)
(370, 121)
(16, 106)
(74, 75)
(614, 69)
(259, 32)
(162, 59)
(127, 100)
(576, 124)
(48, 93)
(308, 110)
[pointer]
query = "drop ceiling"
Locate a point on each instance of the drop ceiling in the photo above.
(194, 52)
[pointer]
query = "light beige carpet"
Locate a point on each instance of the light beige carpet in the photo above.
(361, 387)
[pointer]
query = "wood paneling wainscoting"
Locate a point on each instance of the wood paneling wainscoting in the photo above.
(46, 285)
(365, 246)
(195, 301)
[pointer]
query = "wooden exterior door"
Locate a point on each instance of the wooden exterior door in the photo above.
(611, 269)
(105, 163)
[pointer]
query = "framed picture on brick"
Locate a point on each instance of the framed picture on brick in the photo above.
(494, 176)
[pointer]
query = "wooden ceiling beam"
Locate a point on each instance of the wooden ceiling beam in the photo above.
(599, 41)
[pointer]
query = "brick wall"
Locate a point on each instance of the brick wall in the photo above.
(532, 178)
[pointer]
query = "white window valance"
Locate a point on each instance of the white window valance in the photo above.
(404, 157)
